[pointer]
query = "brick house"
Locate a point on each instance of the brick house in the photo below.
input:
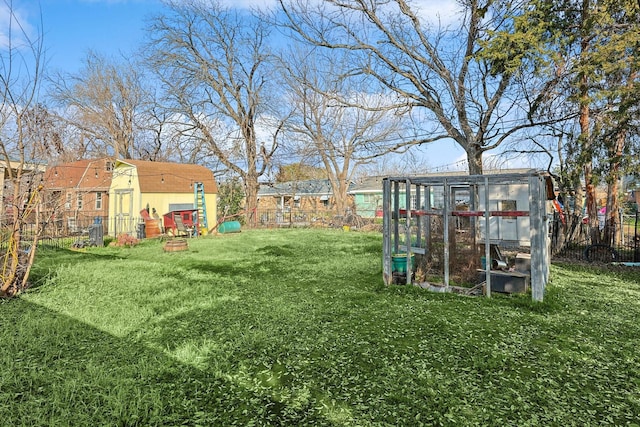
(295, 201)
(311, 195)
(75, 194)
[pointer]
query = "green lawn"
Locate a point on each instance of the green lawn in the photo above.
(294, 327)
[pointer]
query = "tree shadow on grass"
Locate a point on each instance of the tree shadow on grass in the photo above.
(48, 259)
(215, 267)
(65, 372)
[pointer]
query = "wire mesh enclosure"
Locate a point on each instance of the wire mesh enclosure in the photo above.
(443, 228)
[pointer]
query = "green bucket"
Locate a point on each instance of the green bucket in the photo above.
(399, 263)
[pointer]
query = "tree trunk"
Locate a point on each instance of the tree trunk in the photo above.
(591, 202)
(251, 199)
(612, 222)
(474, 158)
(340, 188)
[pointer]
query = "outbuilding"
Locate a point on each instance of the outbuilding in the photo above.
(159, 187)
(442, 221)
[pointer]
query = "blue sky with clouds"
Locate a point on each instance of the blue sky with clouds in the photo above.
(71, 27)
(111, 27)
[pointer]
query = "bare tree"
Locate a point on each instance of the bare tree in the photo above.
(104, 101)
(21, 60)
(334, 120)
(463, 77)
(215, 65)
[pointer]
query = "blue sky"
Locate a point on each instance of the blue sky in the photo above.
(111, 27)
(72, 27)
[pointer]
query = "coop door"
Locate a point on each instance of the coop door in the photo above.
(509, 224)
(494, 223)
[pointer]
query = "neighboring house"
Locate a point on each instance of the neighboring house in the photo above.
(77, 193)
(161, 188)
(308, 195)
(32, 174)
(367, 197)
(634, 197)
(632, 188)
(292, 201)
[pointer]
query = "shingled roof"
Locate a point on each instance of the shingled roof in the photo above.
(87, 174)
(373, 184)
(66, 175)
(313, 187)
(165, 177)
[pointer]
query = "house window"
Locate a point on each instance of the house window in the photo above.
(67, 203)
(369, 198)
(98, 201)
(79, 201)
(296, 202)
(109, 166)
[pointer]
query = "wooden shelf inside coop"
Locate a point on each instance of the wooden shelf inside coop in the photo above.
(413, 249)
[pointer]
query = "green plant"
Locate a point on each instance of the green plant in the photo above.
(231, 199)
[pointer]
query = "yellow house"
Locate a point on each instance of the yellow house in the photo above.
(160, 187)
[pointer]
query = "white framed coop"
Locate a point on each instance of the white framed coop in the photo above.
(434, 232)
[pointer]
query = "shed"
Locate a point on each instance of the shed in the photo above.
(158, 186)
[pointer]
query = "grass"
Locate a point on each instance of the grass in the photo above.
(294, 327)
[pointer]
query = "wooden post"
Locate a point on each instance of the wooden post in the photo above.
(487, 238)
(387, 273)
(538, 252)
(445, 222)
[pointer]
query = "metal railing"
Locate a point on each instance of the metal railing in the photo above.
(623, 246)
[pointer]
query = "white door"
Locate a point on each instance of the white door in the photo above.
(124, 211)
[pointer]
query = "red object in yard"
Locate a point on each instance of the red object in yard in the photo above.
(189, 218)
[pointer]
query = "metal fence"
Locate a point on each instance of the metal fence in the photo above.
(59, 234)
(308, 218)
(81, 232)
(625, 249)
(77, 232)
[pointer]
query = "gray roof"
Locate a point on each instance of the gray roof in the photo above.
(373, 184)
(312, 187)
